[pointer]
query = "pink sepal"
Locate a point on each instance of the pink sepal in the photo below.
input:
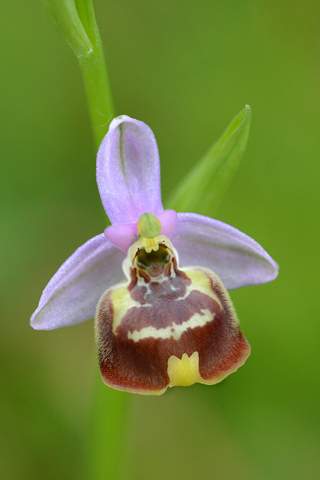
(122, 236)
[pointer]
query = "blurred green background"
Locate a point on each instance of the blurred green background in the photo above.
(185, 68)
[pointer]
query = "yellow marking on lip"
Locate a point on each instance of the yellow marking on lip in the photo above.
(174, 330)
(185, 371)
(121, 302)
(201, 282)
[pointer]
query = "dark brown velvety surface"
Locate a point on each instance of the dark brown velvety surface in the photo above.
(142, 365)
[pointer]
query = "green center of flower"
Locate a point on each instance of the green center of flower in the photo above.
(149, 229)
(149, 226)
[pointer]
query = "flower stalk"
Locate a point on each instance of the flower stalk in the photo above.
(108, 433)
(75, 21)
(98, 94)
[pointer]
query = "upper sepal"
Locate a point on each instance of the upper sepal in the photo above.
(128, 171)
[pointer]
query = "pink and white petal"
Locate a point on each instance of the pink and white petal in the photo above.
(74, 291)
(122, 236)
(168, 220)
(128, 171)
(237, 259)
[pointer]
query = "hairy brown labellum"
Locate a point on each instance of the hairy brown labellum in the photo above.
(167, 326)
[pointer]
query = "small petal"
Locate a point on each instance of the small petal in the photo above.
(237, 259)
(122, 236)
(168, 220)
(72, 294)
(128, 171)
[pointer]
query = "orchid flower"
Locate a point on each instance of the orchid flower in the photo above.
(156, 280)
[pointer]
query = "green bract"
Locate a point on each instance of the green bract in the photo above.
(203, 188)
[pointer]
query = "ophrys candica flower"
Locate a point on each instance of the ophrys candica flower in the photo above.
(165, 318)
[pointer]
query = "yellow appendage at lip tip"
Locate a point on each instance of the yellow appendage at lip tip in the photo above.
(185, 371)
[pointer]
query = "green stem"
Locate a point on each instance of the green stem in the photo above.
(110, 407)
(98, 94)
(108, 434)
(95, 75)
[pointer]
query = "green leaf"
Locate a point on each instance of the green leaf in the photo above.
(65, 17)
(202, 189)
